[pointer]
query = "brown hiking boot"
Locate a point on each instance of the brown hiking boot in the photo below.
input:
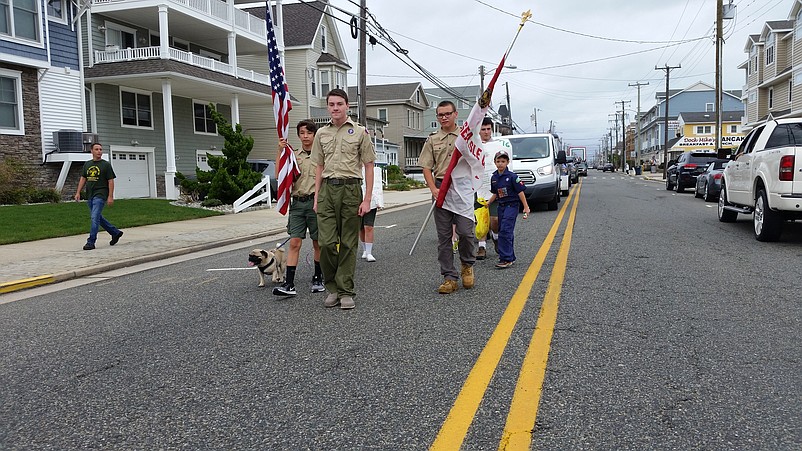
(467, 276)
(449, 286)
(481, 254)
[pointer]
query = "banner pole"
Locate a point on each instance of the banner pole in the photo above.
(425, 221)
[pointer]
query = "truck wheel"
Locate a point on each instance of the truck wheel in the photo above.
(725, 215)
(768, 223)
(552, 204)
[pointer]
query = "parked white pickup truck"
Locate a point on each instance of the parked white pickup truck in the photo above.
(765, 178)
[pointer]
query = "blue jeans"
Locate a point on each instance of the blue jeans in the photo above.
(96, 205)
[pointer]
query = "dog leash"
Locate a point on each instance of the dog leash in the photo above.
(282, 244)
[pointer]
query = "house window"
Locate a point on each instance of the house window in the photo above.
(180, 45)
(55, 10)
(771, 98)
(417, 96)
(798, 25)
(704, 129)
(410, 119)
(382, 113)
(136, 109)
(709, 107)
(323, 46)
(733, 129)
(313, 79)
(20, 18)
(202, 114)
(339, 80)
(752, 60)
(790, 90)
(434, 125)
(11, 121)
(752, 96)
(325, 82)
(120, 36)
(770, 49)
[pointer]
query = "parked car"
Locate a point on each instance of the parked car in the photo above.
(582, 169)
(573, 173)
(683, 172)
(608, 167)
(708, 184)
(764, 178)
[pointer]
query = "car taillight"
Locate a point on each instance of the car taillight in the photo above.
(716, 176)
(690, 166)
(787, 168)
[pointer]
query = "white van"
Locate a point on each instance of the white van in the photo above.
(537, 161)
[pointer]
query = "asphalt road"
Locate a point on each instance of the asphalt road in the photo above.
(672, 331)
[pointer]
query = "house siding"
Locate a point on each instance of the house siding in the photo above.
(60, 101)
(63, 46)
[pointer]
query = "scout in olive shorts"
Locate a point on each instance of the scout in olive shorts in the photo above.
(302, 213)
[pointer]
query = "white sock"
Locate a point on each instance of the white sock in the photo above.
(369, 248)
(482, 243)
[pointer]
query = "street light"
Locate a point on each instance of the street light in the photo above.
(482, 73)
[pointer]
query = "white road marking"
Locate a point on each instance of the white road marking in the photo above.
(389, 226)
(231, 269)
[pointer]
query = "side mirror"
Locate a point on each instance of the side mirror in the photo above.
(561, 159)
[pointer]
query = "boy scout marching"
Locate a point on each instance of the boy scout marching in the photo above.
(340, 150)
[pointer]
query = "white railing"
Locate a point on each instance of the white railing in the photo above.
(411, 161)
(218, 10)
(247, 199)
(145, 53)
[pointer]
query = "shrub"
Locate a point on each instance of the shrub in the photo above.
(394, 173)
(211, 203)
(43, 195)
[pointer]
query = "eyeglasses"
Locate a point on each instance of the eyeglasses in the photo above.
(444, 115)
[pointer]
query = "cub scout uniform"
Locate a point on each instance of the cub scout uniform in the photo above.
(506, 187)
(342, 152)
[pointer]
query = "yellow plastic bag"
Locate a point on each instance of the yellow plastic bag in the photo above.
(482, 218)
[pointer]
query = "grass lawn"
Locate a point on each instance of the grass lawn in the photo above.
(20, 223)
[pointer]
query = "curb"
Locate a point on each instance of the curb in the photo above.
(22, 284)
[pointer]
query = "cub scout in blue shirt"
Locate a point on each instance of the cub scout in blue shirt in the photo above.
(508, 189)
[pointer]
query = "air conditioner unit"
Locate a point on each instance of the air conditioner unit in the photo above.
(68, 141)
(89, 139)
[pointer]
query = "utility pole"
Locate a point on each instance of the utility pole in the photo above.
(668, 69)
(509, 109)
(363, 75)
(637, 122)
(623, 134)
(482, 78)
(719, 38)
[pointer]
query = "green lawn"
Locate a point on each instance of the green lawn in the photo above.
(20, 223)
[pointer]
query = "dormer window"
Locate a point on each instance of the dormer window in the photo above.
(323, 46)
(770, 40)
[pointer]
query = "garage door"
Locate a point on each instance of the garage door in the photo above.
(132, 179)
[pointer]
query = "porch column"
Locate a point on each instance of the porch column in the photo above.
(164, 33)
(232, 51)
(234, 110)
(170, 190)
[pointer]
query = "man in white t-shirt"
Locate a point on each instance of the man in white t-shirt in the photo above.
(489, 149)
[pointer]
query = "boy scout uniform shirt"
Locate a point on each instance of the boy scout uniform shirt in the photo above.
(342, 151)
(304, 185)
(437, 150)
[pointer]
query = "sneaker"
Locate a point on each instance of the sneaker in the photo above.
(347, 303)
(448, 286)
(284, 290)
(364, 255)
(88, 247)
(317, 285)
(370, 258)
(116, 238)
(502, 265)
(331, 300)
(481, 254)
(467, 276)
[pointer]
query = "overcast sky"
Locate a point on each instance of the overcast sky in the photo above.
(572, 64)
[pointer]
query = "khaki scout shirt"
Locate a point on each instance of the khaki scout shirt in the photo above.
(342, 151)
(304, 185)
(437, 150)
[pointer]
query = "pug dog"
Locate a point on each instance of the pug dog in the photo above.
(269, 262)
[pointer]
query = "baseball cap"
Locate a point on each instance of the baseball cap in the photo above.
(500, 153)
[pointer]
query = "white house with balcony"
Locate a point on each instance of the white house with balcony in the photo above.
(151, 68)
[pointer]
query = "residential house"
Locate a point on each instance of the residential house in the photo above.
(402, 107)
(774, 71)
(699, 97)
(41, 90)
(696, 132)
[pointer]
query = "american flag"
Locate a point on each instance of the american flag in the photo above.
(287, 165)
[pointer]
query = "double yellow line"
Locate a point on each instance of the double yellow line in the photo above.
(523, 409)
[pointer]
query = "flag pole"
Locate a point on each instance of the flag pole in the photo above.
(425, 221)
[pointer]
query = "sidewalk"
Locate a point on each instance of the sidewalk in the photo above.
(34, 263)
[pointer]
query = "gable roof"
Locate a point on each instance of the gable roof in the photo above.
(301, 21)
(400, 92)
(469, 92)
